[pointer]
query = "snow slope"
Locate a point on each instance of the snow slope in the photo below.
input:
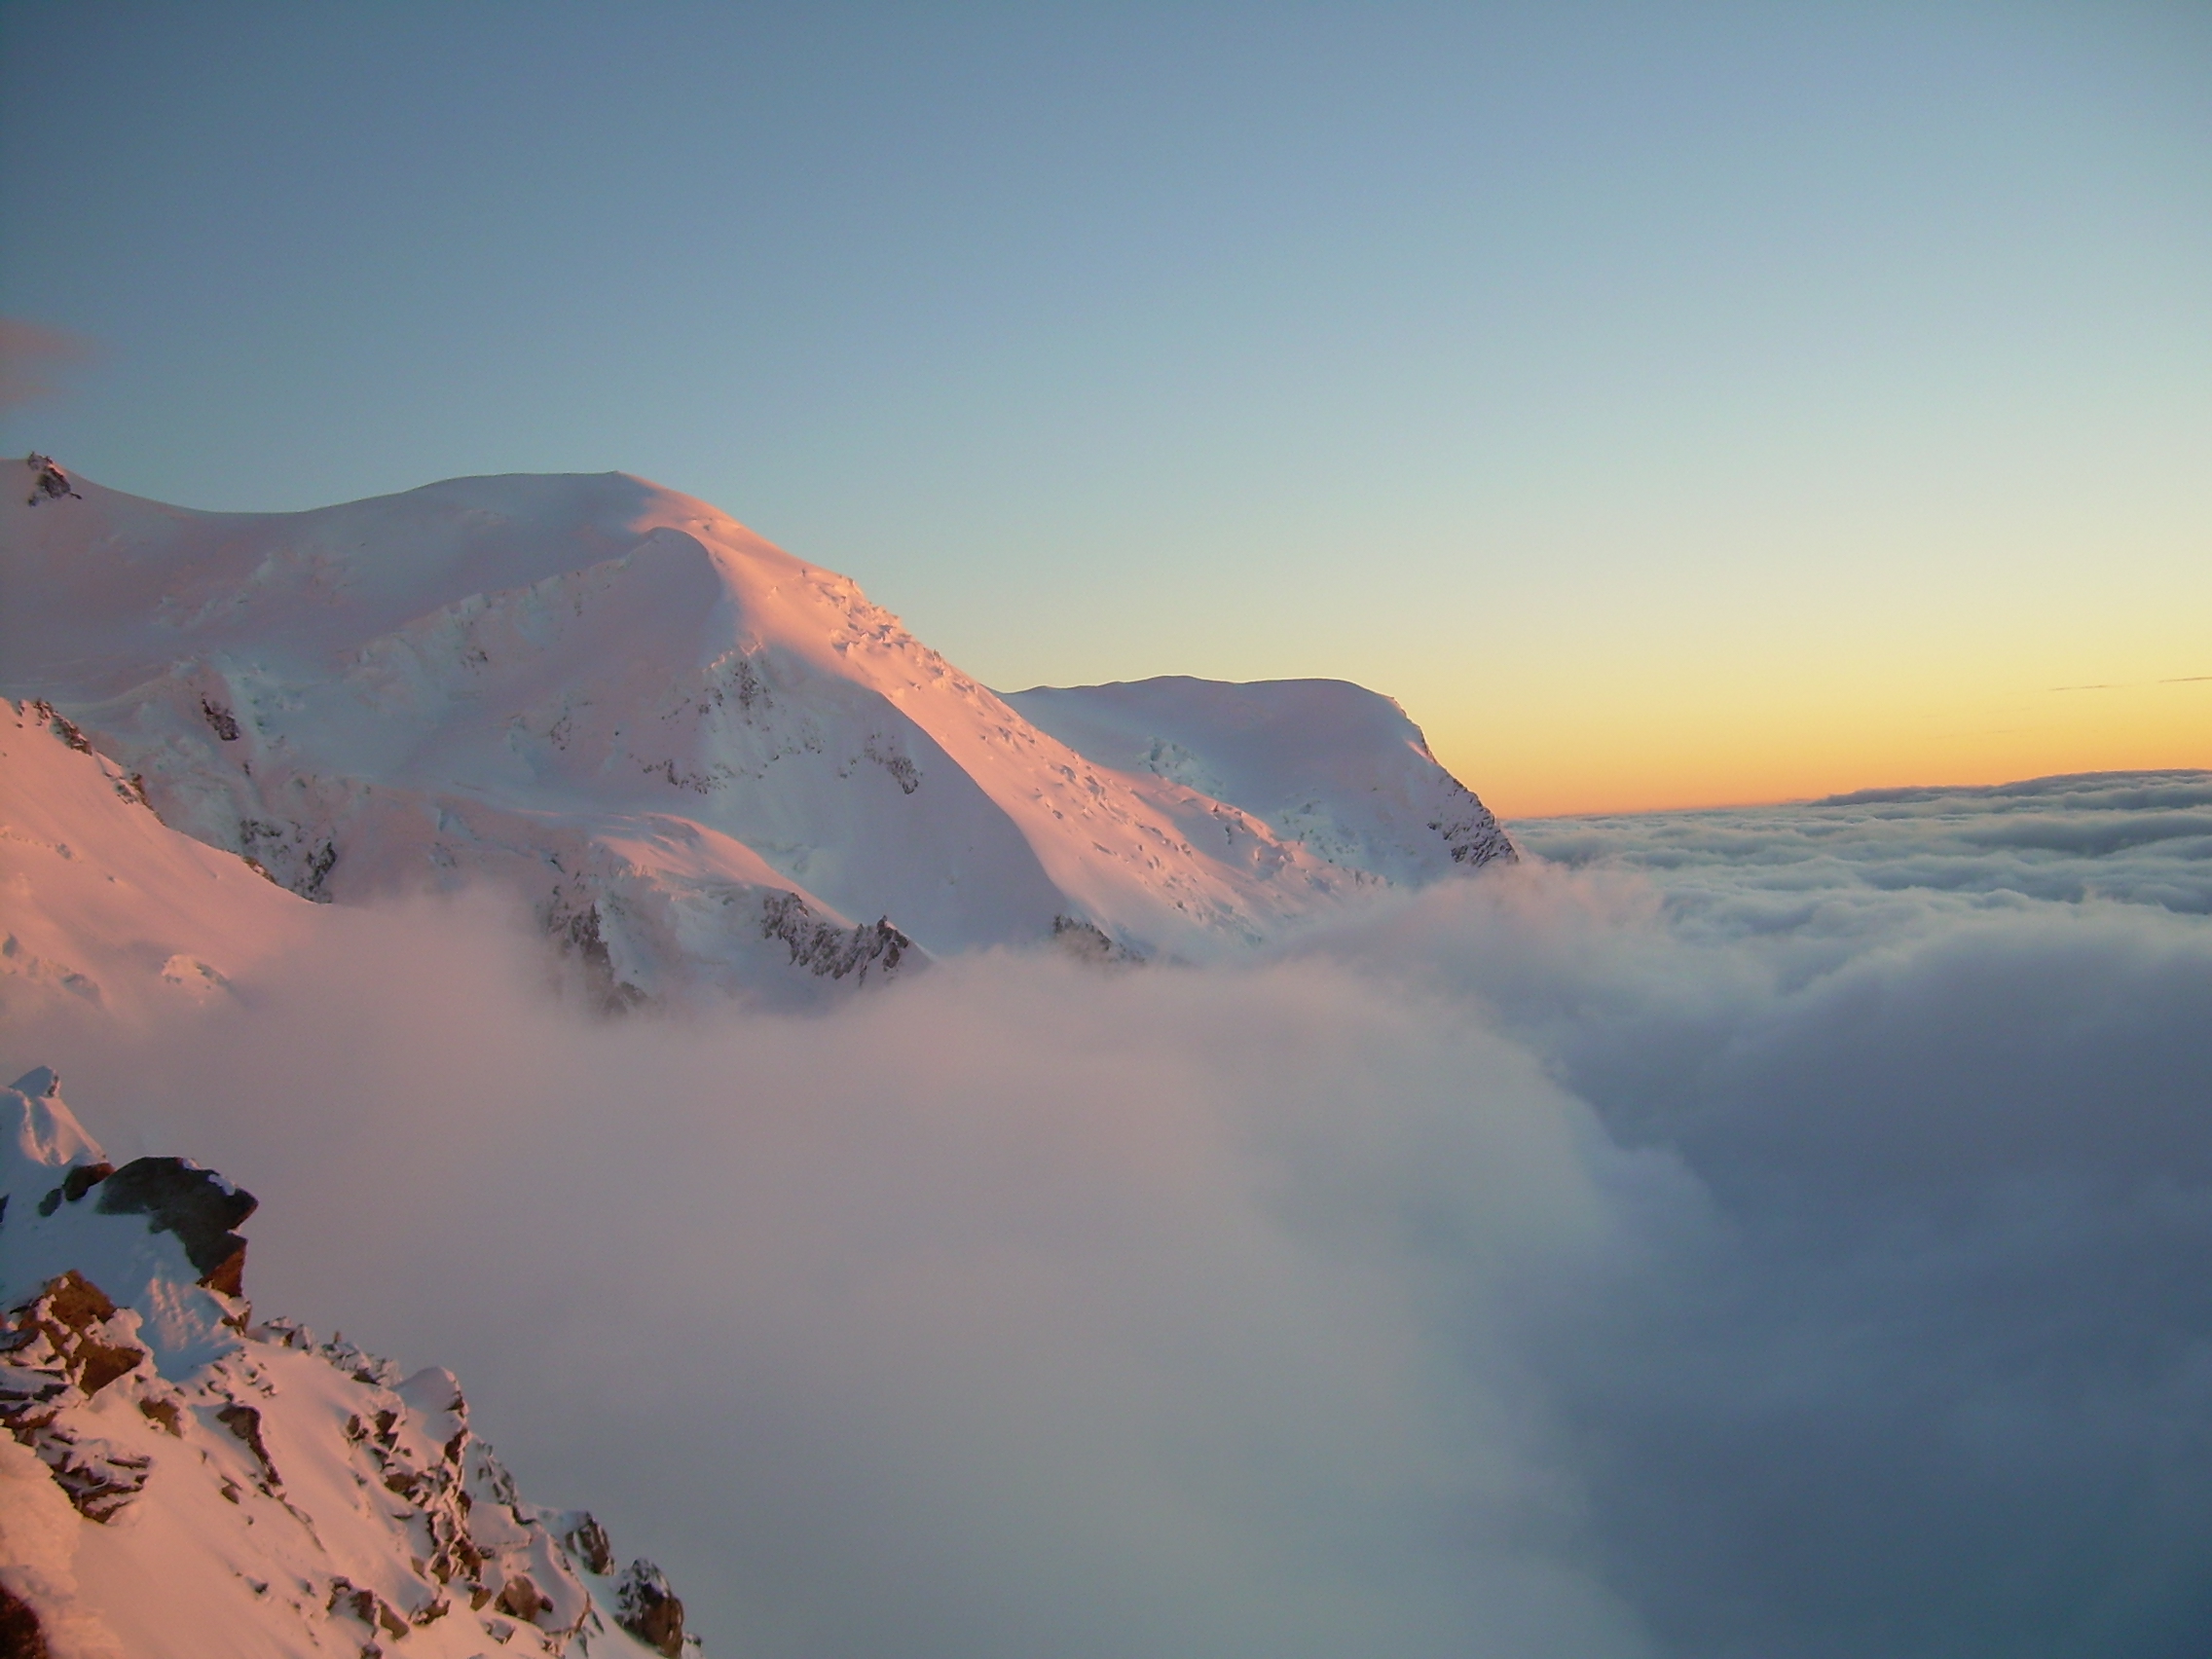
(99, 900)
(700, 759)
(177, 1481)
(1329, 764)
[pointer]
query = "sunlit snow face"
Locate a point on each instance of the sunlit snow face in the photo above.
(1783, 1235)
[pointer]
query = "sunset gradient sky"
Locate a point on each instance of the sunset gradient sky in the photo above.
(1668, 404)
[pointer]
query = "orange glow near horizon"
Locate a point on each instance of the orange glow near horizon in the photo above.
(1669, 752)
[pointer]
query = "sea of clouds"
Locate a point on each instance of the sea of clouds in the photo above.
(1751, 1234)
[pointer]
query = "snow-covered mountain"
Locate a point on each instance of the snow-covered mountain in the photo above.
(703, 761)
(102, 904)
(1328, 764)
(705, 767)
(177, 1481)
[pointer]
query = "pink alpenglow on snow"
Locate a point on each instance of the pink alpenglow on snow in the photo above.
(704, 764)
(178, 1481)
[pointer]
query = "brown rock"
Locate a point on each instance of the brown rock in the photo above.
(244, 1421)
(96, 1476)
(60, 1328)
(519, 1598)
(21, 1635)
(197, 1204)
(586, 1539)
(648, 1608)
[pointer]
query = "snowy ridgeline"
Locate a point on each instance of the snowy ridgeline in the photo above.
(179, 1480)
(704, 764)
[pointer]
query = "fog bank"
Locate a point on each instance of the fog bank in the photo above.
(1742, 1239)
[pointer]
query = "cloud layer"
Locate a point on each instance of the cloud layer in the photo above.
(1780, 1237)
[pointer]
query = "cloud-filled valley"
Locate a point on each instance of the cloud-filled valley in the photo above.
(1773, 1232)
(969, 1024)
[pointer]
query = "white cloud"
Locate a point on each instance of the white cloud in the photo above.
(1735, 1250)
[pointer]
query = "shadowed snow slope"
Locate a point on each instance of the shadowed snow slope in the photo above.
(700, 758)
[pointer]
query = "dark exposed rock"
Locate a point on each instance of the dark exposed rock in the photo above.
(20, 1636)
(579, 935)
(67, 730)
(244, 1421)
(74, 1186)
(647, 1609)
(96, 1477)
(829, 951)
(48, 481)
(57, 1352)
(61, 1331)
(284, 854)
(588, 1540)
(1088, 941)
(197, 1204)
(1473, 834)
(886, 754)
(519, 1600)
(223, 723)
(83, 1179)
(365, 1605)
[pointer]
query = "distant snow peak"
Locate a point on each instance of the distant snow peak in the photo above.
(701, 761)
(1332, 767)
(282, 1496)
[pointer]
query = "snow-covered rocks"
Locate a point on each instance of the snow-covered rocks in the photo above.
(48, 483)
(672, 740)
(177, 1481)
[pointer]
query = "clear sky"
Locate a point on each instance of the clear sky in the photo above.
(1668, 404)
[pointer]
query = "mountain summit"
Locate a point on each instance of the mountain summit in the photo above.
(705, 762)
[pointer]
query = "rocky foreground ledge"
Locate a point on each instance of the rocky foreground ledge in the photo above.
(177, 1480)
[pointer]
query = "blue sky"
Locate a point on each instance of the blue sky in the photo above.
(1625, 388)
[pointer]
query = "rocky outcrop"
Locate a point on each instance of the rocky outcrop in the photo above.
(1088, 941)
(648, 1609)
(827, 950)
(58, 1350)
(198, 1206)
(1473, 835)
(253, 1441)
(48, 483)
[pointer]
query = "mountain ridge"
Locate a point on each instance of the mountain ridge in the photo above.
(700, 759)
(177, 1479)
